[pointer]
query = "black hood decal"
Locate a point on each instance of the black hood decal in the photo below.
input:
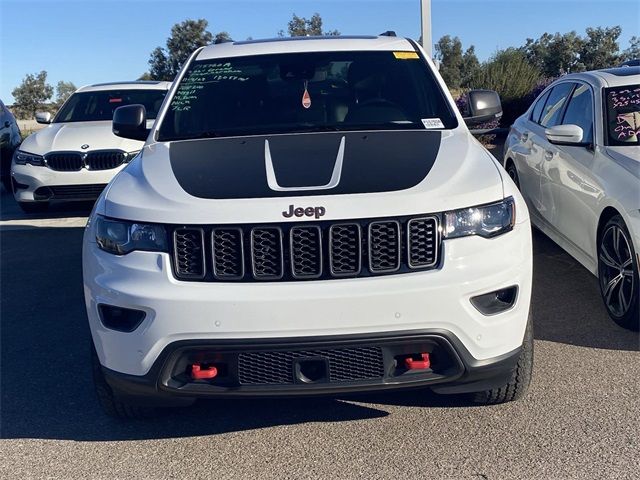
(304, 164)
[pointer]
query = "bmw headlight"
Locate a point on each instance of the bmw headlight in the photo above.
(121, 237)
(23, 158)
(486, 220)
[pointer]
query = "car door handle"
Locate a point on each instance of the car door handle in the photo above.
(524, 137)
(548, 155)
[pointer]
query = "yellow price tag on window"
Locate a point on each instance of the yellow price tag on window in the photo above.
(405, 55)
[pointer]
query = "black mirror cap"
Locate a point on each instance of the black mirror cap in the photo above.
(484, 106)
(130, 121)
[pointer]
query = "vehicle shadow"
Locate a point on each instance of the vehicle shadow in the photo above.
(566, 304)
(9, 209)
(45, 378)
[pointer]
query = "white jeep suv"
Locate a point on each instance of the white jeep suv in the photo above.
(77, 154)
(308, 216)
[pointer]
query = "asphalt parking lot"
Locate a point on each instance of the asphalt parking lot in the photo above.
(581, 418)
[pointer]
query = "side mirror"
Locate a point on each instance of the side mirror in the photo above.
(483, 106)
(566, 135)
(43, 117)
(130, 121)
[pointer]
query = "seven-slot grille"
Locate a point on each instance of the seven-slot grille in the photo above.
(75, 161)
(276, 367)
(313, 250)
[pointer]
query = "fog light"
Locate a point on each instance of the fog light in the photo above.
(496, 302)
(121, 319)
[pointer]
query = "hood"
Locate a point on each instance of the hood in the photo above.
(349, 174)
(71, 136)
(628, 157)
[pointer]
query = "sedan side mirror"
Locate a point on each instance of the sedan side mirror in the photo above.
(566, 135)
(130, 121)
(484, 106)
(43, 117)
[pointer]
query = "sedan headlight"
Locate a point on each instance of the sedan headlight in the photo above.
(23, 158)
(121, 237)
(485, 220)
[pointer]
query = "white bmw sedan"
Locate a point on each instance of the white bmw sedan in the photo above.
(575, 155)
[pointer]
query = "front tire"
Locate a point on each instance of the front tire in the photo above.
(110, 402)
(517, 386)
(618, 274)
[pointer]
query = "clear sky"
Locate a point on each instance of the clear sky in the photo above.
(90, 41)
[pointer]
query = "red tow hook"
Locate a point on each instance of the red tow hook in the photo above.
(198, 373)
(412, 364)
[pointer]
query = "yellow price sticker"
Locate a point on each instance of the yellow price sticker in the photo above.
(405, 55)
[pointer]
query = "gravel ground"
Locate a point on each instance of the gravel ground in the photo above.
(580, 419)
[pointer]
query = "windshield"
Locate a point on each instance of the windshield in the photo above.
(93, 106)
(623, 115)
(316, 91)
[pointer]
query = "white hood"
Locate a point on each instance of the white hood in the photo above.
(71, 136)
(463, 175)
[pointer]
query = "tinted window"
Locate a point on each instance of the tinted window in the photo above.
(305, 92)
(92, 106)
(537, 109)
(580, 111)
(623, 115)
(553, 108)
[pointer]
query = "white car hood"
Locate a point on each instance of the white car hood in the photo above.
(628, 157)
(71, 136)
(462, 174)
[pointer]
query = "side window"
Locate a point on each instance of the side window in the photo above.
(580, 111)
(553, 108)
(537, 109)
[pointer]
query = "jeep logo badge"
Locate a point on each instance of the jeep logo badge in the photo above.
(316, 212)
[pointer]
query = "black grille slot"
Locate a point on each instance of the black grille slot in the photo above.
(228, 259)
(74, 192)
(306, 252)
(266, 253)
(422, 249)
(64, 161)
(345, 249)
(384, 246)
(105, 160)
(188, 253)
(276, 367)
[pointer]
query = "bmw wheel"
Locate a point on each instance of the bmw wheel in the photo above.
(618, 274)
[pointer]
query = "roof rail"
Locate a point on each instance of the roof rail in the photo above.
(388, 33)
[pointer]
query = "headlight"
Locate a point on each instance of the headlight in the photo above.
(22, 158)
(486, 220)
(121, 237)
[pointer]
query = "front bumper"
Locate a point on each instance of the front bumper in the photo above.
(243, 312)
(31, 183)
(452, 370)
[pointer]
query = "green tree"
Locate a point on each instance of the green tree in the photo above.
(470, 68)
(633, 52)
(31, 94)
(165, 63)
(448, 51)
(556, 54)
(303, 27)
(600, 48)
(63, 91)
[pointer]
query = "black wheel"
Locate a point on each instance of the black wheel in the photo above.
(517, 385)
(618, 274)
(110, 403)
(513, 173)
(33, 207)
